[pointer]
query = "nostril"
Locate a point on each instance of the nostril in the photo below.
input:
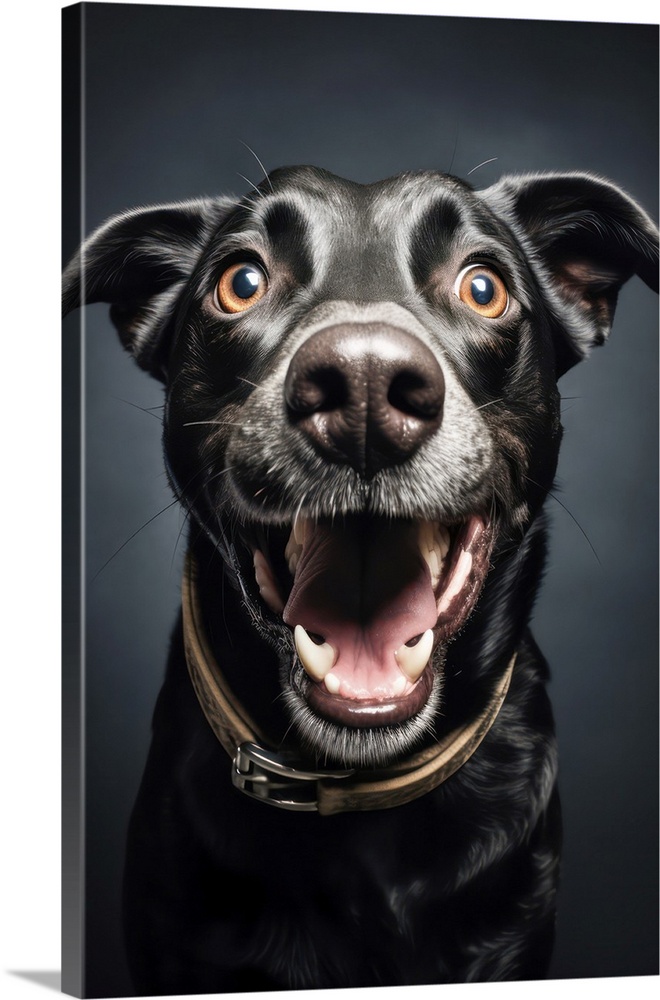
(417, 396)
(317, 390)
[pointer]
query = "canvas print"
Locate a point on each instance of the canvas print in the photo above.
(360, 350)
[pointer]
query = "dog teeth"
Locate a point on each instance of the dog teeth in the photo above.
(292, 554)
(295, 544)
(317, 661)
(443, 540)
(434, 543)
(434, 563)
(266, 583)
(399, 686)
(332, 683)
(413, 659)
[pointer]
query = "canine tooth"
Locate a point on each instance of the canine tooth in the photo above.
(332, 683)
(413, 659)
(316, 660)
(293, 562)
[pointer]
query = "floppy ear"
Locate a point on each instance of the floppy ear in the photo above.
(584, 238)
(139, 262)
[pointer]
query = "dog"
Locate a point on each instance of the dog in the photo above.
(352, 778)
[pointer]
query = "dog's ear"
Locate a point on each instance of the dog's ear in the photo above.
(584, 237)
(139, 262)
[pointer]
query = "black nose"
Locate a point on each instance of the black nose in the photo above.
(366, 394)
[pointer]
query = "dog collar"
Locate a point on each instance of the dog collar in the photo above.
(278, 777)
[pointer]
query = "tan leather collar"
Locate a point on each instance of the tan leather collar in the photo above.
(276, 778)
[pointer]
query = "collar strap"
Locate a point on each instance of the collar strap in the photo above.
(278, 777)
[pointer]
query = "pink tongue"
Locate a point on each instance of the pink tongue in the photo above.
(365, 588)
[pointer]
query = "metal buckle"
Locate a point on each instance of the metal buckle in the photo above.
(277, 778)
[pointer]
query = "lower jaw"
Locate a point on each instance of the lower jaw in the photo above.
(326, 740)
(369, 713)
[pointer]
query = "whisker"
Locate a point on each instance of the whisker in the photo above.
(218, 423)
(144, 409)
(265, 172)
(248, 181)
(482, 164)
(251, 208)
(131, 537)
(490, 402)
(186, 517)
(453, 155)
(224, 608)
(288, 730)
(222, 472)
(572, 517)
(255, 384)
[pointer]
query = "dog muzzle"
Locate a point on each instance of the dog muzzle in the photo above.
(279, 778)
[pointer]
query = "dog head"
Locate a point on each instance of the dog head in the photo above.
(362, 411)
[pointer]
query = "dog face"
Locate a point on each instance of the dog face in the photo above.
(362, 410)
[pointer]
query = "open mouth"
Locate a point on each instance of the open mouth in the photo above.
(369, 601)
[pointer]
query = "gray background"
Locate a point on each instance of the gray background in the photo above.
(170, 94)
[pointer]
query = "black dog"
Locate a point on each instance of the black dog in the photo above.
(362, 421)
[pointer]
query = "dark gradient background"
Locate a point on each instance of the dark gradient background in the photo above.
(169, 94)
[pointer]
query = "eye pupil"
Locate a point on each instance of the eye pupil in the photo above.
(482, 289)
(246, 282)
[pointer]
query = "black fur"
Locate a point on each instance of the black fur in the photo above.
(227, 894)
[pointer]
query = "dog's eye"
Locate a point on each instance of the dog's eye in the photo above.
(240, 287)
(482, 290)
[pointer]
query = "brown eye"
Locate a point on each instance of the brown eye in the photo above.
(241, 286)
(482, 290)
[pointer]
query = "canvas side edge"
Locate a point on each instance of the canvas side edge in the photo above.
(73, 843)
